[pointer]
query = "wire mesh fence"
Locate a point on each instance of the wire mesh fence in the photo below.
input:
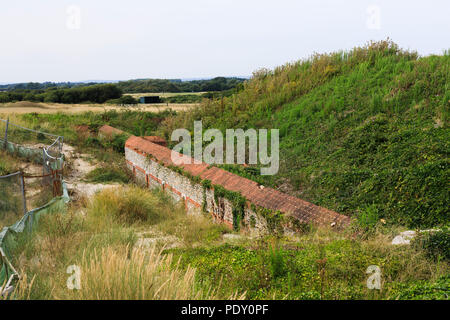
(12, 198)
(19, 190)
(46, 190)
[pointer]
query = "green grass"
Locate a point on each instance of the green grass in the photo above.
(109, 173)
(183, 98)
(101, 241)
(7, 164)
(134, 122)
(309, 269)
(358, 129)
(98, 235)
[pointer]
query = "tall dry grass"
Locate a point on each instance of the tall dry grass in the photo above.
(102, 242)
(140, 208)
(130, 274)
(135, 274)
(128, 205)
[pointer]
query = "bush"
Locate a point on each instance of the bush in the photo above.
(108, 174)
(125, 99)
(277, 265)
(436, 244)
(368, 217)
(118, 142)
(422, 290)
(129, 205)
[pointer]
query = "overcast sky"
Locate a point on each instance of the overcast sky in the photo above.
(60, 40)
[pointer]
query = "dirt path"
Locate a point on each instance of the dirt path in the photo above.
(79, 165)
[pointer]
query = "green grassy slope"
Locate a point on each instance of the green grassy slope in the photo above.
(363, 132)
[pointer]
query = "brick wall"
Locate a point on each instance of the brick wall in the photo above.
(149, 173)
(152, 163)
(108, 132)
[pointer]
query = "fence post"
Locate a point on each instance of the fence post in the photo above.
(6, 134)
(43, 163)
(24, 199)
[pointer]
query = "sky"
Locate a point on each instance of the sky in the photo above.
(80, 40)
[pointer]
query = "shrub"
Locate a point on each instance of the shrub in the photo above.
(368, 217)
(125, 99)
(118, 142)
(277, 264)
(422, 290)
(129, 205)
(108, 174)
(436, 244)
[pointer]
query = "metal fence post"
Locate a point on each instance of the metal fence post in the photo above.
(22, 181)
(6, 134)
(43, 163)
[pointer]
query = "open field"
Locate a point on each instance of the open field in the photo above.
(163, 94)
(32, 107)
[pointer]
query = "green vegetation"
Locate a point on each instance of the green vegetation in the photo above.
(43, 85)
(183, 98)
(103, 242)
(90, 94)
(362, 132)
(112, 93)
(161, 85)
(196, 98)
(109, 173)
(361, 129)
(134, 122)
(319, 265)
(435, 243)
(105, 237)
(7, 163)
(125, 99)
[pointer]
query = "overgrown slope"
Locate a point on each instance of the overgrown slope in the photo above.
(363, 132)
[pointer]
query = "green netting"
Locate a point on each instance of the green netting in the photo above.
(8, 236)
(12, 195)
(31, 154)
(12, 198)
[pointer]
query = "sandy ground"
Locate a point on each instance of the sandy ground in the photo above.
(30, 107)
(77, 167)
(80, 166)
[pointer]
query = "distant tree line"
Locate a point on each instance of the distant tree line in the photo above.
(138, 85)
(43, 85)
(162, 85)
(69, 92)
(99, 93)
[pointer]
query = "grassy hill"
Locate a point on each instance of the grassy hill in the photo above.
(363, 132)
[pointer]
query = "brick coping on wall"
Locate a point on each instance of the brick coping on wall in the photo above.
(265, 197)
(109, 131)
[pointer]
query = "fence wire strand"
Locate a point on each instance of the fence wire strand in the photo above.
(46, 150)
